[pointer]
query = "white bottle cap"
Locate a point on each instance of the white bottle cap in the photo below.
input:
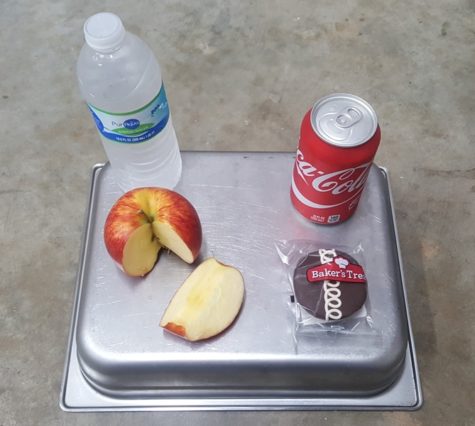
(104, 32)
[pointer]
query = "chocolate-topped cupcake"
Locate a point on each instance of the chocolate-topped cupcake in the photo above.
(330, 284)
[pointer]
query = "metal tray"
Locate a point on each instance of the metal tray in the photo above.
(119, 359)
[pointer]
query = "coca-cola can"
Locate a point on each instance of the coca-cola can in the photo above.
(339, 138)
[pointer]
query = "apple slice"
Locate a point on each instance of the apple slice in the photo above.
(145, 219)
(170, 239)
(206, 303)
(140, 251)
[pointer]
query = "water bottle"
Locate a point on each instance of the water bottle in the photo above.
(121, 81)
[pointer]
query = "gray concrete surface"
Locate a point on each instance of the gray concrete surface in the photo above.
(240, 76)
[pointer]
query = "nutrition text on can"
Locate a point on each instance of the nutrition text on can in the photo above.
(339, 138)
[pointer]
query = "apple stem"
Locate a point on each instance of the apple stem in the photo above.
(150, 219)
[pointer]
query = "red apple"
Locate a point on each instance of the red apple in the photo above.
(144, 220)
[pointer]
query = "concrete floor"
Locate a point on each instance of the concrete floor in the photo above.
(240, 76)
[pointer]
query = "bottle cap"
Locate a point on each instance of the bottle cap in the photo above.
(104, 32)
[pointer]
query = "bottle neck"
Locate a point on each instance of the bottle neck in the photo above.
(111, 50)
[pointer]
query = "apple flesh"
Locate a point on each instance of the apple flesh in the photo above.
(144, 220)
(206, 303)
(140, 251)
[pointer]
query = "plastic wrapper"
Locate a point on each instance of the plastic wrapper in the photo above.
(293, 254)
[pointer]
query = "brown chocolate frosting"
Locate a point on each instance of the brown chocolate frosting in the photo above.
(342, 298)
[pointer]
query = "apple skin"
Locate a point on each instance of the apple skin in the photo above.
(156, 208)
(124, 218)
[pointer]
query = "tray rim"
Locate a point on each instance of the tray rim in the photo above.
(411, 342)
(288, 403)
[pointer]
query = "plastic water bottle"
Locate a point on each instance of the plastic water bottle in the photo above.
(121, 81)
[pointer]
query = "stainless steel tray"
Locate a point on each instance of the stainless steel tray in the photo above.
(119, 359)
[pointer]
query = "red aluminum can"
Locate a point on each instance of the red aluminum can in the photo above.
(339, 138)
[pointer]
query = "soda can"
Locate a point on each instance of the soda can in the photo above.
(339, 138)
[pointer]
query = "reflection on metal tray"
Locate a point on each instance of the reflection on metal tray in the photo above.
(120, 359)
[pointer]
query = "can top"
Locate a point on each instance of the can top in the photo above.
(344, 120)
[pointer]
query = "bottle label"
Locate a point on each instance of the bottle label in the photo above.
(136, 126)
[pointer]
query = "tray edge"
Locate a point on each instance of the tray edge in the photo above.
(77, 291)
(412, 347)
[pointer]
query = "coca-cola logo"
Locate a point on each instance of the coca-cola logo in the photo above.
(342, 181)
(338, 182)
(304, 168)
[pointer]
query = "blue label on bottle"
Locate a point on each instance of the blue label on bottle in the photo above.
(136, 126)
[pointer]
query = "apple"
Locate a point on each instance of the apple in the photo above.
(206, 303)
(143, 221)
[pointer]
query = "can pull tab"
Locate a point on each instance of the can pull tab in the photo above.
(348, 117)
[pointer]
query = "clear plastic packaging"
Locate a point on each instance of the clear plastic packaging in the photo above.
(294, 255)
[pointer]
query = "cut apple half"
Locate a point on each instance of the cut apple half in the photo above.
(206, 303)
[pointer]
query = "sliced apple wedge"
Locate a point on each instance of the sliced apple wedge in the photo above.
(170, 239)
(140, 251)
(206, 303)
